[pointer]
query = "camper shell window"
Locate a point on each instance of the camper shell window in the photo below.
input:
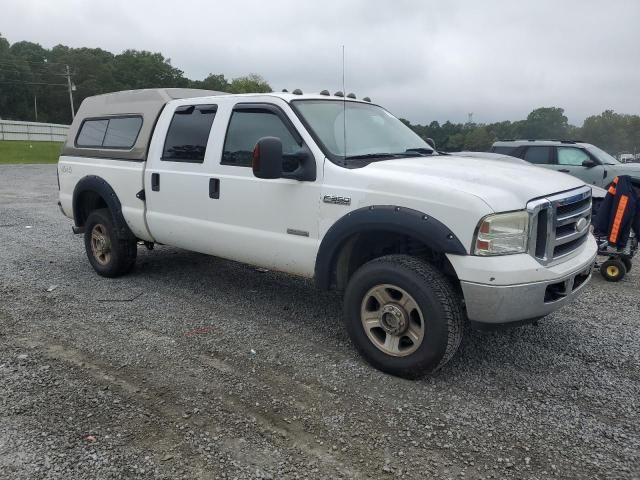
(109, 132)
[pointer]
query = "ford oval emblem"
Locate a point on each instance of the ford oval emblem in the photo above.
(581, 224)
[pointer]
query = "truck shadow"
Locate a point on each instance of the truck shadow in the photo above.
(295, 302)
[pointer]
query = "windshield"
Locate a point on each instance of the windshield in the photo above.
(601, 155)
(371, 132)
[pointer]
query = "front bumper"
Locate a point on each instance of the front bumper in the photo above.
(516, 288)
(514, 303)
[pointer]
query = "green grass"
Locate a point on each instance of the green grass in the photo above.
(23, 151)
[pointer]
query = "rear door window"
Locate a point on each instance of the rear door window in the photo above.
(504, 150)
(538, 155)
(188, 133)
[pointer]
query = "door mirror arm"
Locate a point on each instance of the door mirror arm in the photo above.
(268, 161)
(589, 163)
(306, 169)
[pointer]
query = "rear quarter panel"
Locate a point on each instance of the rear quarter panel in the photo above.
(125, 177)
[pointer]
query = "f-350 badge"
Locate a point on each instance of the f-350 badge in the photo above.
(336, 200)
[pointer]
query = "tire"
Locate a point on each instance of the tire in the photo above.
(613, 270)
(109, 254)
(627, 264)
(429, 329)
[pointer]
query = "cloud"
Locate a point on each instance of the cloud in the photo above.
(424, 60)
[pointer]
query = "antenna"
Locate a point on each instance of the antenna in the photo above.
(344, 112)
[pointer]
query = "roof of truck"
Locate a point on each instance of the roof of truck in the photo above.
(148, 103)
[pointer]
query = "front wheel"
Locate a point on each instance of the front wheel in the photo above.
(403, 315)
(110, 255)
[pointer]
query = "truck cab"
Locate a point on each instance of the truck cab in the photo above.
(335, 189)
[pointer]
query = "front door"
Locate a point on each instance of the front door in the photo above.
(570, 159)
(272, 223)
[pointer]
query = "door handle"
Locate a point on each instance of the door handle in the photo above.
(564, 170)
(214, 188)
(155, 182)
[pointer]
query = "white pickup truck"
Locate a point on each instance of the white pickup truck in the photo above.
(335, 189)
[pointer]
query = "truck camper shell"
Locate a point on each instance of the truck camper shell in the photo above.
(144, 105)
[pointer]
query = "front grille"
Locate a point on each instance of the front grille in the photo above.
(559, 224)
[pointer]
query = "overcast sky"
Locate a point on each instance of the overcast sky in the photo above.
(423, 60)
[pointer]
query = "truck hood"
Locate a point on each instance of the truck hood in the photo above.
(503, 186)
(631, 169)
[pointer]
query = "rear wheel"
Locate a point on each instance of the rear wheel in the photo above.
(613, 270)
(403, 315)
(109, 253)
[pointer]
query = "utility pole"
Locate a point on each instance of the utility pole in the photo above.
(68, 75)
(35, 106)
(470, 117)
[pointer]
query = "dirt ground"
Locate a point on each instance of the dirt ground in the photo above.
(197, 367)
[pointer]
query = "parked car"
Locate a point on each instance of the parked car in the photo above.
(597, 193)
(589, 163)
(420, 243)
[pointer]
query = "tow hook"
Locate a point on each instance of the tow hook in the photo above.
(149, 245)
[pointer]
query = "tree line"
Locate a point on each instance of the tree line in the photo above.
(34, 77)
(31, 74)
(613, 132)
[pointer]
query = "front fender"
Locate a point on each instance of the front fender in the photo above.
(387, 218)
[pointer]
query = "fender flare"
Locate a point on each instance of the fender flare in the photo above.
(389, 218)
(98, 185)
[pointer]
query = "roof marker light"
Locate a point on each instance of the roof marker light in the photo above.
(366, 99)
(297, 91)
(351, 95)
(339, 94)
(284, 90)
(325, 93)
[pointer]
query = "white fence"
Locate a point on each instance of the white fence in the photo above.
(33, 131)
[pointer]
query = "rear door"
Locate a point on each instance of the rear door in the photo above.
(177, 181)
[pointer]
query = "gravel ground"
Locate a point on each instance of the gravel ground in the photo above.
(197, 367)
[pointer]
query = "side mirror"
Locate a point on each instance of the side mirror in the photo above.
(431, 142)
(589, 163)
(267, 158)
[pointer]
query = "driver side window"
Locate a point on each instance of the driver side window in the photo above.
(571, 156)
(246, 127)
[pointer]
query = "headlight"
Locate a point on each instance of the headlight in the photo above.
(502, 234)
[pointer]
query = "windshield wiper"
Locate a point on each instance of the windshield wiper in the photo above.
(384, 155)
(372, 155)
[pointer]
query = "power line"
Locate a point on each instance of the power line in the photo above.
(33, 83)
(19, 60)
